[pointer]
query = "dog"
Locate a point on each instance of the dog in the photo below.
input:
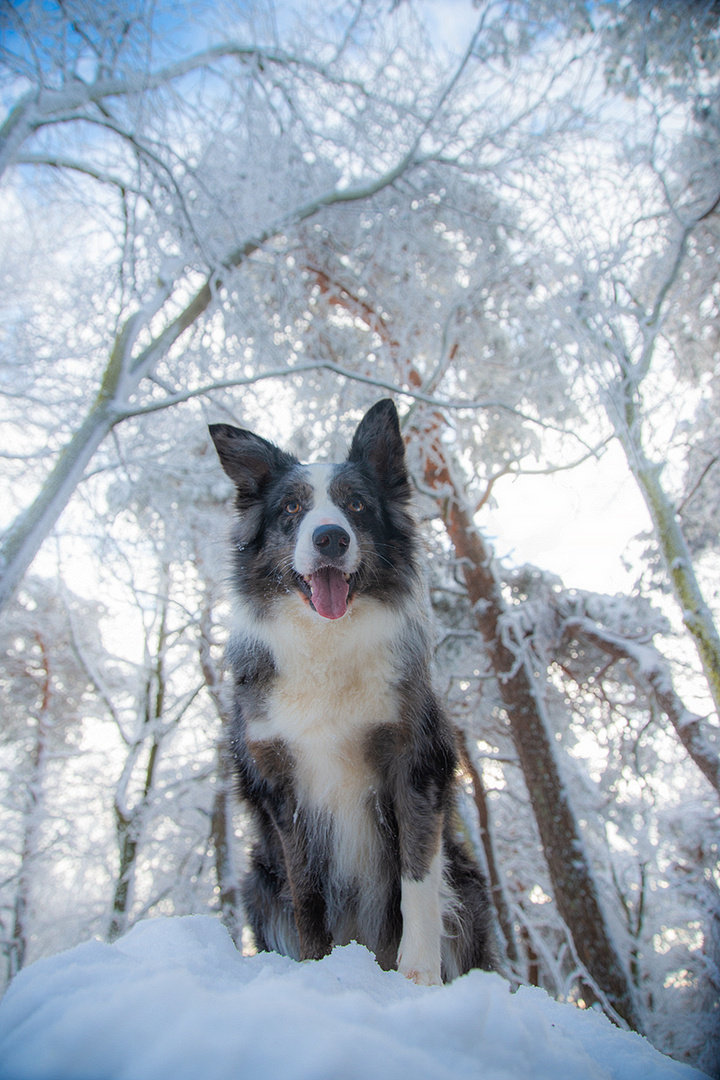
(344, 755)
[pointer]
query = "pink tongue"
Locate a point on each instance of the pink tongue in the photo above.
(329, 592)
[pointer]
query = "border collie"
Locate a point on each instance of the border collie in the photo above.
(344, 755)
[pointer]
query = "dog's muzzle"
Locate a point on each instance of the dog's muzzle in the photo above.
(329, 584)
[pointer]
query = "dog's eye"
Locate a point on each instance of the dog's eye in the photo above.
(356, 505)
(293, 507)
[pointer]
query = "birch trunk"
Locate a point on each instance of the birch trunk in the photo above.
(221, 823)
(696, 615)
(130, 821)
(625, 411)
(17, 950)
(24, 537)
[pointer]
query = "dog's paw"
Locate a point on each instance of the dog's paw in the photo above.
(420, 948)
(423, 970)
(423, 977)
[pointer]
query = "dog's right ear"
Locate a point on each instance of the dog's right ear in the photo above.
(248, 459)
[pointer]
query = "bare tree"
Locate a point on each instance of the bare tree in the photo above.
(155, 310)
(636, 316)
(46, 702)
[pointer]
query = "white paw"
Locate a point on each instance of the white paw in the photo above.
(423, 978)
(425, 971)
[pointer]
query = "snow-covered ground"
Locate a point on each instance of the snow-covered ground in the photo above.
(174, 1000)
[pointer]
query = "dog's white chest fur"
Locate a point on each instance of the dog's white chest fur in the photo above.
(334, 684)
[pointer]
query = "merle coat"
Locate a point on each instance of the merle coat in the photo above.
(344, 755)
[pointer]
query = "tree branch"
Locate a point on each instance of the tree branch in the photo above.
(40, 104)
(58, 161)
(653, 671)
(123, 374)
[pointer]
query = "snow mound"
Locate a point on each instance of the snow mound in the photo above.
(174, 1000)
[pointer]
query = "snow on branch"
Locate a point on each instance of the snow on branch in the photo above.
(39, 107)
(546, 618)
(336, 369)
(653, 672)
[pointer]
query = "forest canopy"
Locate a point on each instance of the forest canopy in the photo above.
(502, 213)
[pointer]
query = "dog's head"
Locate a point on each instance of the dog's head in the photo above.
(328, 533)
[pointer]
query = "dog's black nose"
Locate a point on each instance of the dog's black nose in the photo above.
(331, 540)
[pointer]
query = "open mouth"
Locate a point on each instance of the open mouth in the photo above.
(328, 590)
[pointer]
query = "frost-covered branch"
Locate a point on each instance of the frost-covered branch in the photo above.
(92, 672)
(344, 373)
(651, 322)
(41, 105)
(629, 416)
(124, 372)
(60, 161)
(653, 672)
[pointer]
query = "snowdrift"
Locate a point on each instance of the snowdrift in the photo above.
(174, 1000)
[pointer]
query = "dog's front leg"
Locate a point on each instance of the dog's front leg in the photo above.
(417, 762)
(308, 899)
(419, 953)
(310, 915)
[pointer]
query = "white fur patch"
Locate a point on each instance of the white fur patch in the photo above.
(419, 954)
(335, 682)
(323, 512)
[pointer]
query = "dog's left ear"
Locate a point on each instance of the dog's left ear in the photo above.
(378, 443)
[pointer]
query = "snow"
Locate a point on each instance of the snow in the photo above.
(174, 1000)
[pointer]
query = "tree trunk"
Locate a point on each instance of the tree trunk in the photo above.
(129, 822)
(221, 830)
(122, 896)
(502, 908)
(696, 615)
(625, 411)
(574, 886)
(21, 541)
(17, 949)
(223, 840)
